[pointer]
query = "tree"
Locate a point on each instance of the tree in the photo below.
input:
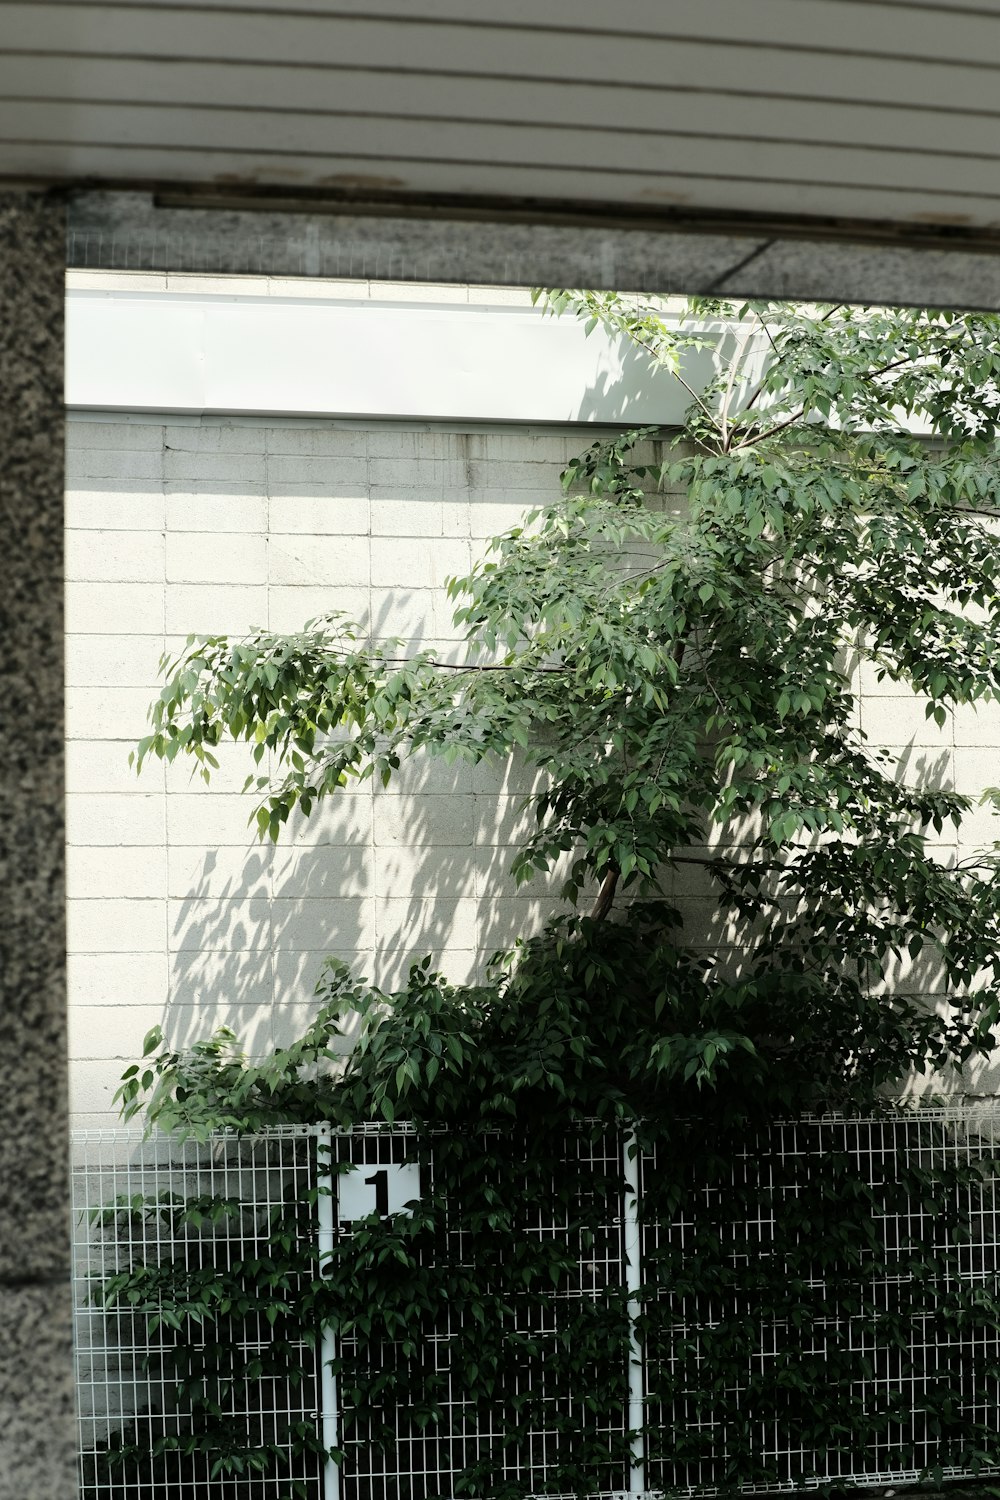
(683, 680)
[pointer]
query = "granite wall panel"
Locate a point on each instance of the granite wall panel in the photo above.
(36, 1396)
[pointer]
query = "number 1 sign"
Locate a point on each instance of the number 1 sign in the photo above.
(381, 1188)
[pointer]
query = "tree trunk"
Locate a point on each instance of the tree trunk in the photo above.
(605, 896)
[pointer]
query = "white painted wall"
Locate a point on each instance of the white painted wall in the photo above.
(216, 523)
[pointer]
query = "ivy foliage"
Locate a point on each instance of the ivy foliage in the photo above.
(835, 1300)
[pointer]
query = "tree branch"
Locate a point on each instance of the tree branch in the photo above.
(734, 365)
(653, 353)
(456, 666)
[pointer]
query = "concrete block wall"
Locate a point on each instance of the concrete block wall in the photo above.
(177, 915)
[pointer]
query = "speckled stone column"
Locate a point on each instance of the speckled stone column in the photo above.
(37, 1460)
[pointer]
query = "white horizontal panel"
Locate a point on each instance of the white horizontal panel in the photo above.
(694, 109)
(670, 189)
(101, 351)
(267, 355)
(958, 32)
(456, 143)
(855, 71)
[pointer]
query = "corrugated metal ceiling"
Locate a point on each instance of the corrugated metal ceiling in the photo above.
(862, 110)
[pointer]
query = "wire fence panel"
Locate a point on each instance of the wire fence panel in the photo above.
(198, 1213)
(913, 1356)
(523, 1422)
(753, 1265)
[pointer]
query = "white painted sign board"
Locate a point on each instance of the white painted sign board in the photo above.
(382, 1188)
(243, 354)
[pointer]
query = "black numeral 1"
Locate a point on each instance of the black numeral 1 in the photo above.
(380, 1182)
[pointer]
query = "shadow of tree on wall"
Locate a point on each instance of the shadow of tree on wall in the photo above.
(246, 951)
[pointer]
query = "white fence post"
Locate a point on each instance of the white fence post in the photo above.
(633, 1282)
(326, 1184)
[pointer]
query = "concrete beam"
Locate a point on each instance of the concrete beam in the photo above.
(810, 260)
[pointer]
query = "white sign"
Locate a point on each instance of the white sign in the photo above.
(382, 1188)
(241, 352)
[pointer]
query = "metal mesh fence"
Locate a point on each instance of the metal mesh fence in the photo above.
(195, 1211)
(912, 1357)
(911, 1353)
(126, 231)
(390, 1454)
